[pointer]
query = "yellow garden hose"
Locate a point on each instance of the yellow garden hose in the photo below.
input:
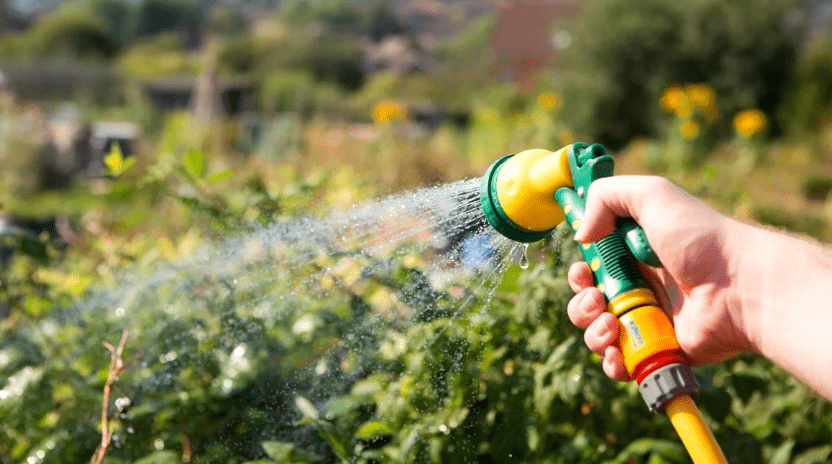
(694, 432)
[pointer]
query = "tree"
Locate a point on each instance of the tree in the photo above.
(118, 15)
(338, 15)
(227, 21)
(631, 51)
(810, 99)
(70, 31)
(182, 16)
(378, 21)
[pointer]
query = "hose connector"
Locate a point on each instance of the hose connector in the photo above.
(666, 383)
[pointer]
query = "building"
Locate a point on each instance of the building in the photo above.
(396, 54)
(524, 41)
(234, 96)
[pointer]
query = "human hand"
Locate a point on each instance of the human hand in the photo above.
(700, 250)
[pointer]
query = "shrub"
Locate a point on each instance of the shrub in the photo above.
(626, 54)
(808, 105)
(69, 32)
(817, 188)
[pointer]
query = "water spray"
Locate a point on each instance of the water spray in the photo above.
(525, 196)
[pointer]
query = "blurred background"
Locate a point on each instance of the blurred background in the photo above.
(132, 131)
(733, 105)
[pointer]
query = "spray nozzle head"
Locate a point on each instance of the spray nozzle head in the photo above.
(517, 193)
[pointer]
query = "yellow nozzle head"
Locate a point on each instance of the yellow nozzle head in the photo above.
(518, 193)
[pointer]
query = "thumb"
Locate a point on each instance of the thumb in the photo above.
(613, 197)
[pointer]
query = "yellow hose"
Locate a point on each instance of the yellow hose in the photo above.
(694, 432)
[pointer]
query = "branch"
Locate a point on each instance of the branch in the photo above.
(116, 366)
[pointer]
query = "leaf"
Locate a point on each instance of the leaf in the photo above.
(783, 453)
(277, 450)
(116, 163)
(222, 175)
(373, 429)
(161, 457)
(306, 407)
(194, 163)
(813, 455)
(670, 450)
(336, 439)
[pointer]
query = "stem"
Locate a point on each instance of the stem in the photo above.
(116, 366)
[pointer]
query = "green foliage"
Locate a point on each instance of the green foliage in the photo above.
(626, 54)
(227, 21)
(116, 163)
(808, 105)
(378, 20)
(118, 15)
(370, 18)
(817, 188)
(327, 59)
(807, 223)
(337, 15)
(163, 55)
(159, 16)
(225, 365)
(287, 91)
(69, 32)
(467, 53)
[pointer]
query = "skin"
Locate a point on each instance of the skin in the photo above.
(727, 287)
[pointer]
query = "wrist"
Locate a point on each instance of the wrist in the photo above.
(750, 274)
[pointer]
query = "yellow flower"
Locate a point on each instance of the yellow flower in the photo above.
(673, 98)
(749, 122)
(549, 101)
(689, 130)
(701, 95)
(389, 110)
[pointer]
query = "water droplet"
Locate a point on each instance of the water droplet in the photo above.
(524, 259)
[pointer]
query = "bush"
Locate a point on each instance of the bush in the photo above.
(287, 91)
(630, 52)
(69, 32)
(817, 188)
(160, 56)
(809, 102)
(809, 224)
(277, 346)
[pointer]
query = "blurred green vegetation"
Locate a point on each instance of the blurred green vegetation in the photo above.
(733, 106)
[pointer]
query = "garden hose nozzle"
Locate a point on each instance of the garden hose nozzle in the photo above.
(517, 193)
(525, 196)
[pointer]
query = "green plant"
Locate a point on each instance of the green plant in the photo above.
(621, 68)
(69, 32)
(817, 188)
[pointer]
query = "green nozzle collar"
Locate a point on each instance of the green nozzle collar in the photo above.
(494, 213)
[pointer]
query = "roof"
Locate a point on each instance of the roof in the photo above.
(115, 129)
(522, 39)
(186, 83)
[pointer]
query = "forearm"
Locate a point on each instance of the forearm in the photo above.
(786, 287)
